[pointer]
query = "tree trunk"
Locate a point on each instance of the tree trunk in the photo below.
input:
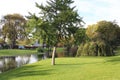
(53, 56)
(13, 43)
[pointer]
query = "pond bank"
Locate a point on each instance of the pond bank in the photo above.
(11, 62)
(14, 52)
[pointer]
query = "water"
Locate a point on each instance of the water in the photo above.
(11, 62)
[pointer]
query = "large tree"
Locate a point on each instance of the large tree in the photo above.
(104, 34)
(13, 28)
(41, 30)
(80, 36)
(62, 21)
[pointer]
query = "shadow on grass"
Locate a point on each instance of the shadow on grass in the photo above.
(114, 60)
(24, 72)
(78, 64)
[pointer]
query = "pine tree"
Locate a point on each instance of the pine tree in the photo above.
(62, 19)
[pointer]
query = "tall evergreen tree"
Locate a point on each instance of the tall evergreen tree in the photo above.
(62, 19)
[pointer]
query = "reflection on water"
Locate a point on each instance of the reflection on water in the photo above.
(33, 58)
(11, 62)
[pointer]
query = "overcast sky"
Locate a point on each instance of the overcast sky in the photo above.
(91, 10)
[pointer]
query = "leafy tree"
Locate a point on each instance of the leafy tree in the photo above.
(61, 19)
(91, 31)
(107, 30)
(42, 30)
(103, 34)
(80, 36)
(13, 28)
(117, 41)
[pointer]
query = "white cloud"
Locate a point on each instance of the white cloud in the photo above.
(96, 10)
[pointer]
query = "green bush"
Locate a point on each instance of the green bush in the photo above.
(5, 46)
(99, 48)
(40, 49)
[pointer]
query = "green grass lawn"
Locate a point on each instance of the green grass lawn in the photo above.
(82, 68)
(13, 52)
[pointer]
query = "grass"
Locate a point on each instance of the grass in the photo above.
(13, 52)
(83, 68)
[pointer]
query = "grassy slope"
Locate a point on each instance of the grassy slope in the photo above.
(10, 52)
(83, 68)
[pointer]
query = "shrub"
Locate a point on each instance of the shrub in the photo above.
(99, 48)
(40, 49)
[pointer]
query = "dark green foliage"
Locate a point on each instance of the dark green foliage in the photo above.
(103, 36)
(40, 50)
(62, 20)
(80, 36)
(59, 21)
(95, 49)
(5, 46)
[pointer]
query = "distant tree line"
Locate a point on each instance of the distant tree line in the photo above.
(103, 39)
(59, 23)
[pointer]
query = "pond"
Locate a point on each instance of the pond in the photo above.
(11, 62)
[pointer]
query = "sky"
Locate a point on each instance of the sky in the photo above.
(91, 11)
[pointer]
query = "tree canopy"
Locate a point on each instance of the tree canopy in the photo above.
(13, 28)
(103, 37)
(59, 19)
